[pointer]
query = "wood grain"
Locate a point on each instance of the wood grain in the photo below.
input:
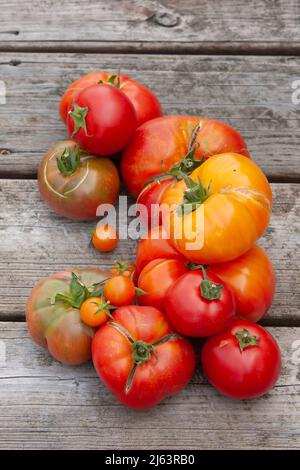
(46, 405)
(254, 94)
(151, 25)
(36, 242)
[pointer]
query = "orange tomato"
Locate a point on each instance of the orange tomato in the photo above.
(94, 311)
(119, 290)
(252, 280)
(105, 238)
(156, 278)
(222, 213)
(153, 245)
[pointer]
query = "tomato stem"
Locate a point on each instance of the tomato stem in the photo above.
(209, 289)
(193, 196)
(69, 161)
(79, 115)
(245, 339)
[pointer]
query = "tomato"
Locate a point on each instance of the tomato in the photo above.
(153, 245)
(151, 196)
(219, 212)
(74, 184)
(199, 304)
(119, 290)
(251, 277)
(123, 267)
(105, 238)
(156, 278)
(101, 119)
(53, 314)
(158, 145)
(140, 358)
(94, 311)
(145, 103)
(243, 361)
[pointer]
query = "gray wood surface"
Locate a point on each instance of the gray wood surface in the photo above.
(36, 242)
(252, 93)
(46, 405)
(151, 25)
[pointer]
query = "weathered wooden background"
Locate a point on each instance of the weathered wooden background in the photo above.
(230, 59)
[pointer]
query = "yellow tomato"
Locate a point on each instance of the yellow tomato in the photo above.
(221, 211)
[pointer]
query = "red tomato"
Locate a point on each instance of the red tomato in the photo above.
(151, 196)
(251, 277)
(243, 361)
(153, 245)
(140, 358)
(158, 145)
(145, 103)
(101, 119)
(119, 290)
(156, 278)
(199, 305)
(79, 183)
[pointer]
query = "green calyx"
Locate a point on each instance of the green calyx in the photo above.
(69, 161)
(209, 290)
(193, 196)
(185, 166)
(79, 118)
(104, 306)
(78, 292)
(112, 81)
(141, 352)
(245, 339)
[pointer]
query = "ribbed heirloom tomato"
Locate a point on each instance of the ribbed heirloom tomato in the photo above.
(251, 277)
(160, 144)
(140, 358)
(156, 278)
(243, 361)
(145, 103)
(199, 304)
(53, 313)
(219, 212)
(101, 119)
(74, 183)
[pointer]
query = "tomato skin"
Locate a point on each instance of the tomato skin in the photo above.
(233, 216)
(238, 374)
(152, 195)
(156, 278)
(77, 196)
(158, 145)
(105, 238)
(58, 327)
(191, 314)
(166, 373)
(251, 277)
(153, 245)
(110, 120)
(145, 103)
(119, 290)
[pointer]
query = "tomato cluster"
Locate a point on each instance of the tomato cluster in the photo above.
(198, 272)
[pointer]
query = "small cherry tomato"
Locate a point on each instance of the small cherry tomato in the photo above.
(105, 238)
(123, 267)
(94, 311)
(119, 290)
(156, 278)
(199, 304)
(243, 361)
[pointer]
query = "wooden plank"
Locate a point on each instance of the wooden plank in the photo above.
(46, 405)
(254, 94)
(35, 242)
(143, 25)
